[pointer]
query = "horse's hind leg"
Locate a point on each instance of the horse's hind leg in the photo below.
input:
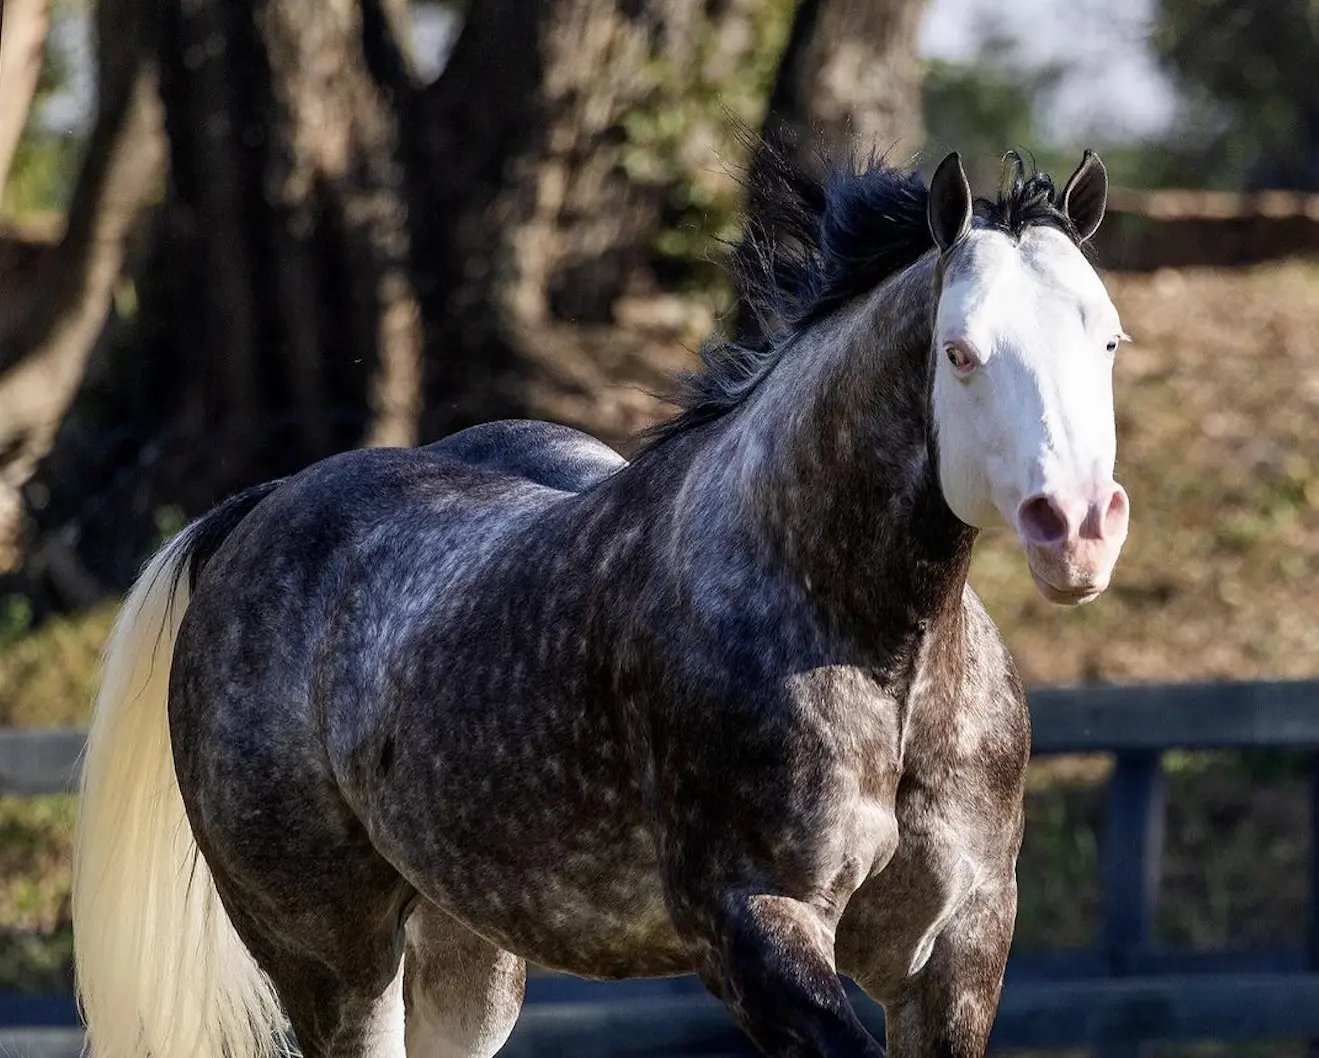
(322, 914)
(337, 1017)
(339, 976)
(463, 993)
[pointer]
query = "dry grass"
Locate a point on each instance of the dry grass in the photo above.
(47, 677)
(1218, 433)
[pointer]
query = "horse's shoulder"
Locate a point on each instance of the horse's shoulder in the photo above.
(992, 687)
(557, 457)
(983, 639)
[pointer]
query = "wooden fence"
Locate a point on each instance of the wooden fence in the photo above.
(1147, 230)
(1124, 991)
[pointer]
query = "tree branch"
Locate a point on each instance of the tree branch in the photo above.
(124, 166)
(22, 45)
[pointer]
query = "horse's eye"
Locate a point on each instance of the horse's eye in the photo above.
(957, 355)
(1113, 343)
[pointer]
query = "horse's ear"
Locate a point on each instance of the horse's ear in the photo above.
(1086, 194)
(949, 207)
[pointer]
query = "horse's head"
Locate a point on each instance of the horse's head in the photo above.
(1024, 342)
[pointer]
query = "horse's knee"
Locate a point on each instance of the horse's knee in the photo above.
(463, 994)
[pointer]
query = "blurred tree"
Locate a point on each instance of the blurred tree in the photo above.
(985, 107)
(1247, 71)
(848, 84)
(850, 78)
(56, 307)
(344, 253)
(24, 25)
(548, 185)
(324, 248)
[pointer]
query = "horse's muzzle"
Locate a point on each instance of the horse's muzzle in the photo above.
(1072, 540)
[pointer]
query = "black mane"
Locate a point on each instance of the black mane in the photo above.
(1025, 200)
(810, 244)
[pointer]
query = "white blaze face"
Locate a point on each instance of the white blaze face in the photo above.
(1025, 338)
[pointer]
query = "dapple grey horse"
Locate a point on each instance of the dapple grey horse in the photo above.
(372, 737)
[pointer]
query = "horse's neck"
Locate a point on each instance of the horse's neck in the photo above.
(836, 467)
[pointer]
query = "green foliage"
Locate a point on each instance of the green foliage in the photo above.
(42, 176)
(690, 117)
(15, 618)
(35, 936)
(988, 106)
(1059, 895)
(1246, 69)
(169, 521)
(1175, 162)
(46, 162)
(1247, 106)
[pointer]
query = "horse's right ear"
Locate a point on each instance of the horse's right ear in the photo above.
(949, 207)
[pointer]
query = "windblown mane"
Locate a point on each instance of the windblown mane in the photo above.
(810, 244)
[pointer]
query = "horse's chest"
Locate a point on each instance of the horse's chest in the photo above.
(894, 919)
(952, 840)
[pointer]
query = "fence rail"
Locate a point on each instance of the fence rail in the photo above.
(40, 762)
(1124, 991)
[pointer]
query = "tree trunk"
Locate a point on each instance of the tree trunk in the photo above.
(346, 256)
(122, 170)
(58, 312)
(848, 85)
(531, 218)
(275, 290)
(850, 79)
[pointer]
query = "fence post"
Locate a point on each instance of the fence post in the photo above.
(1312, 931)
(1133, 854)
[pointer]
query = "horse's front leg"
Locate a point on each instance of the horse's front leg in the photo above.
(947, 1009)
(770, 958)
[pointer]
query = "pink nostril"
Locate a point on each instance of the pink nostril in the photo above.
(1115, 516)
(1106, 518)
(1042, 521)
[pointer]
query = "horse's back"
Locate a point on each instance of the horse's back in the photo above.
(363, 544)
(368, 548)
(363, 533)
(394, 512)
(546, 454)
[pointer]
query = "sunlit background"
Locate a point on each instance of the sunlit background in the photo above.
(453, 276)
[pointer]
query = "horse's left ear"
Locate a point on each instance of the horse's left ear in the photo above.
(1086, 194)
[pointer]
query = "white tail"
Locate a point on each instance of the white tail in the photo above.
(160, 970)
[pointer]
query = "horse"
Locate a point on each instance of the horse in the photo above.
(372, 737)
